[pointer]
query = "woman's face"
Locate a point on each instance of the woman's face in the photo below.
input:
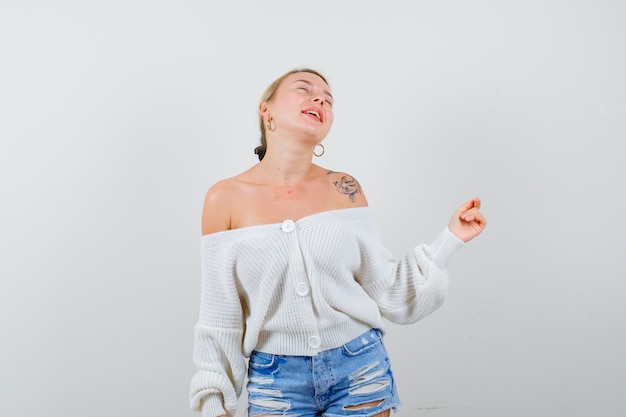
(303, 103)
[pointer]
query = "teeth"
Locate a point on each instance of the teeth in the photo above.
(316, 114)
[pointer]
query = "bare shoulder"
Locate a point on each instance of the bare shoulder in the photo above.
(216, 210)
(348, 189)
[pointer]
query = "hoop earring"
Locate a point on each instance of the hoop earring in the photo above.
(321, 153)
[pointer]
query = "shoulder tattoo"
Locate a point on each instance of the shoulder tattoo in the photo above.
(347, 185)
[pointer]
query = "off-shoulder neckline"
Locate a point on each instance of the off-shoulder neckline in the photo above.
(309, 218)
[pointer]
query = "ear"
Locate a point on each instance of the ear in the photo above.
(263, 108)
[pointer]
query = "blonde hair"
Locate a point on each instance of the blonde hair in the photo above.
(268, 94)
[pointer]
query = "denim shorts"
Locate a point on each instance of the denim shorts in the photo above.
(335, 382)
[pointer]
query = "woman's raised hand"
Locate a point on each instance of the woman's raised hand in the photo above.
(467, 222)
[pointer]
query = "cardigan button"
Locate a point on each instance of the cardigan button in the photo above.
(302, 289)
(288, 226)
(315, 342)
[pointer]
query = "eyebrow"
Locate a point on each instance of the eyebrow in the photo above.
(311, 84)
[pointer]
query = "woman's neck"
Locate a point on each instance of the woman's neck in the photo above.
(282, 165)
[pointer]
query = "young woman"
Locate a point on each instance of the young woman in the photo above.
(294, 276)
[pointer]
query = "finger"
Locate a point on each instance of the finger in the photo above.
(468, 216)
(473, 215)
(466, 206)
(471, 210)
(476, 218)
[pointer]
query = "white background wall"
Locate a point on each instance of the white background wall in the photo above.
(116, 116)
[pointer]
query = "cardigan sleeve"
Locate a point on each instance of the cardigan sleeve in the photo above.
(217, 354)
(411, 288)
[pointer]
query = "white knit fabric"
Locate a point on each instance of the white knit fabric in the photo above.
(300, 288)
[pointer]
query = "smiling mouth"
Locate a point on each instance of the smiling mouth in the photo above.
(313, 113)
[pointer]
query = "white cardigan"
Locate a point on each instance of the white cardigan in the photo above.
(298, 288)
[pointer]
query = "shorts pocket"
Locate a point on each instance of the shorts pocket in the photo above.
(369, 340)
(260, 360)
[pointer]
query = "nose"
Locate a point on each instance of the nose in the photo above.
(319, 100)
